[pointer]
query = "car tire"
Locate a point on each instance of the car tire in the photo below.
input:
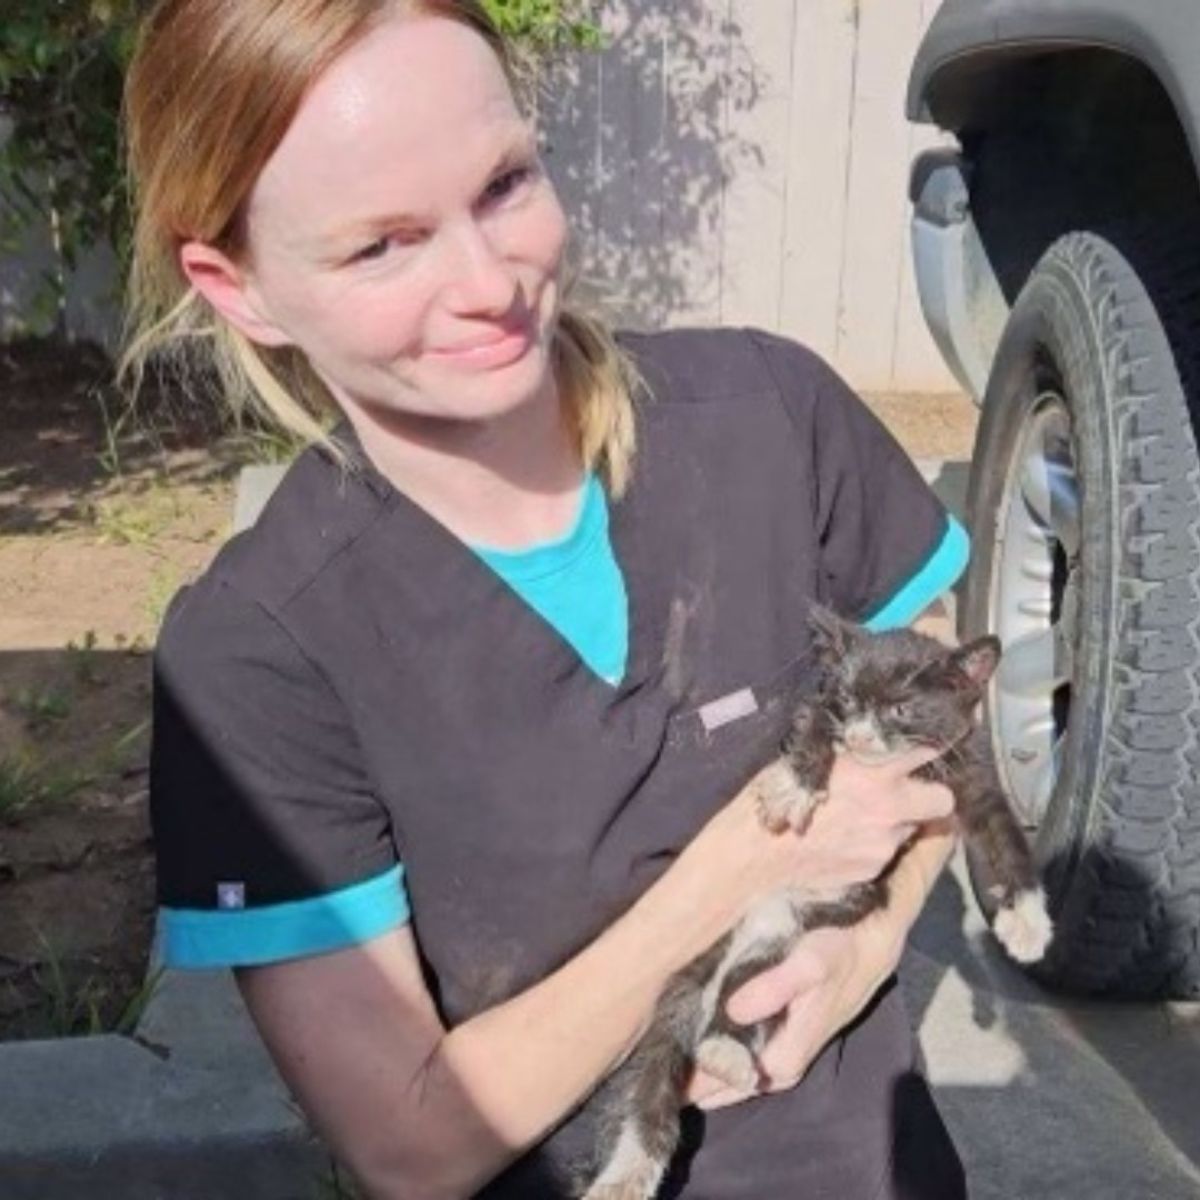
(1084, 508)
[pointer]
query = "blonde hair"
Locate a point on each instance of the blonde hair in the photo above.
(210, 93)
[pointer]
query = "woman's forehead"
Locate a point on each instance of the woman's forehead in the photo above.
(406, 108)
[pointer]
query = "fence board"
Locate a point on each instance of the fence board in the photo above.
(875, 237)
(757, 109)
(824, 48)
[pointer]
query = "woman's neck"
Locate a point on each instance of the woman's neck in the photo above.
(505, 483)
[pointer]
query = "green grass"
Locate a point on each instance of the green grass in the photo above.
(113, 758)
(76, 1007)
(136, 518)
(19, 787)
(38, 707)
(26, 785)
(84, 658)
(109, 456)
(164, 582)
(257, 445)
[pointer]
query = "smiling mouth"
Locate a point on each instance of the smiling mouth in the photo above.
(497, 348)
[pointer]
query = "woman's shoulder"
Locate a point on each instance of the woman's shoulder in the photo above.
(316, 511)
(714, 363)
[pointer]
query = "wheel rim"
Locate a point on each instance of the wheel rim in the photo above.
(1033, 603)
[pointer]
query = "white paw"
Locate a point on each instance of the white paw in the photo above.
(782, 801)
(1024, 927)
(728, 1060)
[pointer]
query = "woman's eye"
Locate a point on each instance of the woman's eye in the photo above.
(504, 185)
(376, 249)
(385, 245)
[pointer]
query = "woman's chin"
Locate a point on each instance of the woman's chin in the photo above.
(493, 392)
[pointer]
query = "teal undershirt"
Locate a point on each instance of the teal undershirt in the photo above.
(575, 584)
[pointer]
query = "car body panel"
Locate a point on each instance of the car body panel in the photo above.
(1162, 34)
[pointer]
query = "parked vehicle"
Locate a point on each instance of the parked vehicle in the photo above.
(1058, 259)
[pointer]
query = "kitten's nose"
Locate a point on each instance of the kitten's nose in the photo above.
(861, 735)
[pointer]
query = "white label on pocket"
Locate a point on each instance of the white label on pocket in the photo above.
(733, 707)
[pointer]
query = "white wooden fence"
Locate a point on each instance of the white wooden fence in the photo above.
(746, 161)
(736, 161)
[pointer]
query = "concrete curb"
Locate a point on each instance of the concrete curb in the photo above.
(189, 1109)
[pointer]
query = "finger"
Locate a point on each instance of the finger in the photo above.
(921, 802)
(773, 990)
(791, 1049)
(912, 760)
(722, 1098)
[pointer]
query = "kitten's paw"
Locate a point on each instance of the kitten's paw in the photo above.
(1024, 927)
(783, 802)
(729, 1061)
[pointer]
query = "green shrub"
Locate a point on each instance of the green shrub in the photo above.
(546, 24)
(61, 64)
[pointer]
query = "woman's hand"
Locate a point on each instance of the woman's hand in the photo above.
(827, 980)
(870, 813)
(829, 977)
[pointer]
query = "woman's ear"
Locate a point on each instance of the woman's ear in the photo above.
(228, 289)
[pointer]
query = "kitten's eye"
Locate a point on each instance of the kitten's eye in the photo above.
(900, 712)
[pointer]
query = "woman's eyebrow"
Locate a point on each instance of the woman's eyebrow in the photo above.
(365, 228)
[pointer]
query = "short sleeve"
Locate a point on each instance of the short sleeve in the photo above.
(888, 547)
(270, 841)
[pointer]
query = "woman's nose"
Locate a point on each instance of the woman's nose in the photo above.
(479, 280)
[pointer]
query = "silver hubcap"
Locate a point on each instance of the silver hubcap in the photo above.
(1033, 607)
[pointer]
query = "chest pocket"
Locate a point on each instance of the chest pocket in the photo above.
(757, 712)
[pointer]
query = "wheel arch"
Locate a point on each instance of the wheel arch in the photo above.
(1062, 138)
(969, 45)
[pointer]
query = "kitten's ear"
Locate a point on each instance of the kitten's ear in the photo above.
(977, 660)
(831, 635)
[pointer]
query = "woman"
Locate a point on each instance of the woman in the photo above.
(448, 748)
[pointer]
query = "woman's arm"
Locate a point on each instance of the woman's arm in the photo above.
(421, 1113)
(425, 1114)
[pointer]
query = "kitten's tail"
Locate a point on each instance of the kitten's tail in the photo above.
(649, 1131)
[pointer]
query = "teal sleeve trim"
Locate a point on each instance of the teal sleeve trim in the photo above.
(938, 575)
(194, 938)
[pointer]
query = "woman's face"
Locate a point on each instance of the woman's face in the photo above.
(403, 235)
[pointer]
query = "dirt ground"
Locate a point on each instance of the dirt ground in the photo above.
(102, 518)
(100, 522)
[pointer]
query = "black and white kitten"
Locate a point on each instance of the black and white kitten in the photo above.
(878, 695)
